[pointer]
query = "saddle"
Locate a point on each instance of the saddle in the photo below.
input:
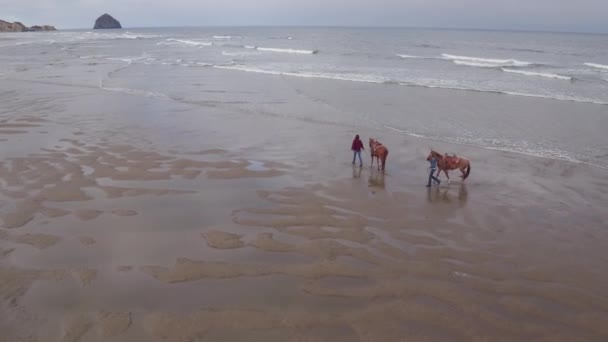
(452, 161)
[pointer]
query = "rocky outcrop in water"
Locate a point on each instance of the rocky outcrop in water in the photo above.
(37, 28)
(106, 21)
(5, 26)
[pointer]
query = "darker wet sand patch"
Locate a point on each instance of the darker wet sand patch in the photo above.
(84, 276)
(210, 151)
(17, 125)
(9, 131)
(113, 323)
(64, 192)
(40, 241)
(75, 327)
(243, 173)
(190, 270)
(124, 212)
(54, 212)
(87, 240)
(249, 325)
(222, 240)
(67, 173)
(5, 252)
(87, 214)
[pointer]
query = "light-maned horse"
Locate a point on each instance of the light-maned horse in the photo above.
(446, 163)
(376, 149)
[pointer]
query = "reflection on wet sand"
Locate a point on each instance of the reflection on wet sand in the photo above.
(357, 171)
(376, 179)
(445, 194)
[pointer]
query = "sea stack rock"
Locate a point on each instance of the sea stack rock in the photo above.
(106, 22)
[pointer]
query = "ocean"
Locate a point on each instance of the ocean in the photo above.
(566, 74)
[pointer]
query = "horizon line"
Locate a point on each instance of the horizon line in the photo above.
(530, 30)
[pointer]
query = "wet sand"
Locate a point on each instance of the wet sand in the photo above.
(124, 225)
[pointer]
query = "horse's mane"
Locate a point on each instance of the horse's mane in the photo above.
(437, 154)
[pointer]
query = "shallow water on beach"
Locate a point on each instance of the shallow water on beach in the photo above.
(190, 66)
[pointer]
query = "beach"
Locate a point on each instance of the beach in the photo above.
(138, 214)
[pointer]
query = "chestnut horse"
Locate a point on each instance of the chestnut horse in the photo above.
(379, 151)
(445, 163)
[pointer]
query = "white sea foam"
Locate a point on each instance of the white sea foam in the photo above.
(537, 74)
(477, 64)
(414, 57)
(331, 76)
(303, 52)
(598, 66)
(92, 56)
(239, 54)
(126, 35)
(507, 146)
(138, 92)
(427, 83)
(485, 62)
(250, 47)
(431, 83)
(227, 37)
(186, 42)
(122, 59)
(129, 59)
(556, 97)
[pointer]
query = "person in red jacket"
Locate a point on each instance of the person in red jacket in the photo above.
(356, 147)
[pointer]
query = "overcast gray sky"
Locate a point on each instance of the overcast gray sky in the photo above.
(558, 15)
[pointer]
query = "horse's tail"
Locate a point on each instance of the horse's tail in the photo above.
(384, 159)
(466, 174)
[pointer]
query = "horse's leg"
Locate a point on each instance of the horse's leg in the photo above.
(446, 174)
(463, 169)
(372, 163)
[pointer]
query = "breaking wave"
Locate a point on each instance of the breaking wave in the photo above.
(302, 52)
(332, 76)
(92, 56)
(597, 66)
(171, 41)
(239, 54)
(130, 59)
(426, 83)
(126, 35)
(227, 37)
(478, 64)
(138, 92)
(537, 74)
(485, 62)
(414, 57)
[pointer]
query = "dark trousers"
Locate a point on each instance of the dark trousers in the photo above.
(355, 154)
(432, 177)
